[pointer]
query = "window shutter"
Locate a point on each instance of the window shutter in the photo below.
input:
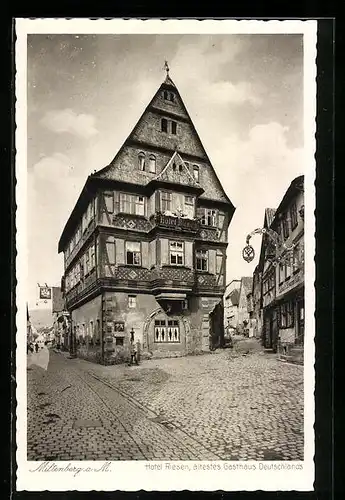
(212, 261)
(145, 253)
(152, 253)
(188, 253)
(164, 246)
(200, 212)
(116, 202)
(120, 251)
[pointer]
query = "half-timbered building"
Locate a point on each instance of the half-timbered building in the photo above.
(145, 245)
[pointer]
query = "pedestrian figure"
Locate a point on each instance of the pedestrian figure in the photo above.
(133, 352)
(36, 347)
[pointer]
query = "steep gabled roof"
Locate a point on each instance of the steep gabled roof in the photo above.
(269, 214)
(143, 177)
(247, 284)
(268, 219)
(113, 172)
(234, 296)
(295, 187)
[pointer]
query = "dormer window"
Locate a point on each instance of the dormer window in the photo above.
(169, 96)
(152, 164)
(141, 161)
(164, 125)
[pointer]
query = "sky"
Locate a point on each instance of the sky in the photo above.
(85, 93)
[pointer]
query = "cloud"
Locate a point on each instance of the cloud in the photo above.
(255, 173)
(52, 168)
(66, 120)
(227, 92)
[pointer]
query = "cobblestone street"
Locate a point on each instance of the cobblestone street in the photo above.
(240, 404)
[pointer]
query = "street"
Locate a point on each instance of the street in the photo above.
(233, 404)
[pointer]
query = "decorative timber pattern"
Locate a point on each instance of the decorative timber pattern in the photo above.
(85, 236)
(131, 223)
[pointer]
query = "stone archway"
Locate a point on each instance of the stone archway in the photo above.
(148, 341)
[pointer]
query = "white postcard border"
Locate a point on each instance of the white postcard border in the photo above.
(138, 475)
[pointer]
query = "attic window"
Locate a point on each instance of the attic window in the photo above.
(180, 168)
(164, 125)
(196, 172)
(141, 161)
(169, 96)
(152, 164)
(174, 166)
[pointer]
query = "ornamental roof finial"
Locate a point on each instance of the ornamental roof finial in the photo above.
(166, 67)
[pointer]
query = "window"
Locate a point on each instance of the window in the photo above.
(296, 258)
(166, 95)
(141, 161)
(219, 261)
(286, 315)
(287, 270)
(281, 273)
(167, 331)
(110, 250)
(109, 202)
(285, 226)
(174, 167)
(201, 260)
(189, 206)
(293, 215)
(132, 204)
(171, 96)
(196, 172)
(173, 128)
(209, 217)
(152, 164)
(180, 168)
(165, 201)
(118, 340)
(132, 301)
(133, 254)
(92, 256)
(176, 253)
(164, 125)
(87, 262)
(91, 331)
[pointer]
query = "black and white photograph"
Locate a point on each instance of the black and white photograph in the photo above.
(165, 242)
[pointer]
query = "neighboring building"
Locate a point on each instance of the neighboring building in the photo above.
(231, 298)
(257, 303)
(283, 283)
(289, 224)
(243, 313)
(268, 279)
(145, 245)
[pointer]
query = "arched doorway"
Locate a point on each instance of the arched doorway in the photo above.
(165, 334)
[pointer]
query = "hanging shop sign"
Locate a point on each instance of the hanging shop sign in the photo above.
(248, 253)
(45, 293)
